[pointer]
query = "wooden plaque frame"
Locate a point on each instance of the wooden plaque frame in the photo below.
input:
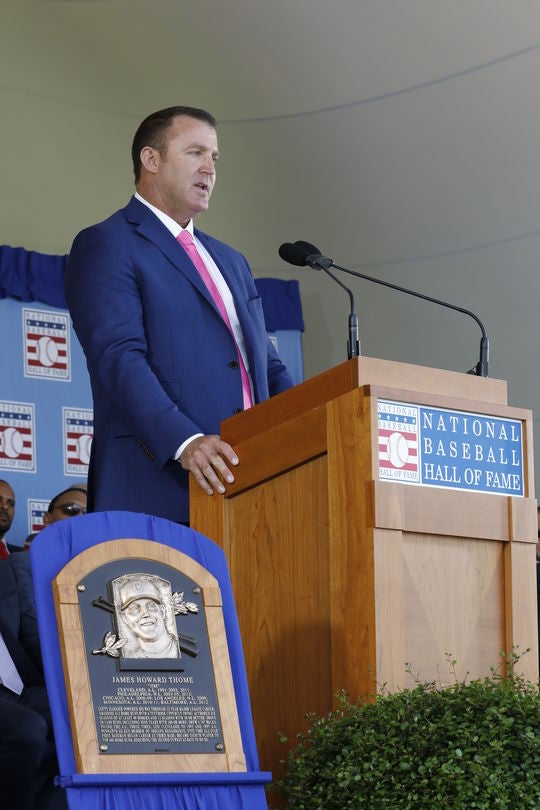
(74, 660)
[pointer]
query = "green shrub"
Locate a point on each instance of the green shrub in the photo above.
(472, 745)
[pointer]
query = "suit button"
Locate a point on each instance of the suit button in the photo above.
(238, 410)
(233, 364)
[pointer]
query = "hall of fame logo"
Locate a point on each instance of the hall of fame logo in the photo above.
(17, 436)
(36, 513)
(46, 344)
(397, 427)
(78, 432)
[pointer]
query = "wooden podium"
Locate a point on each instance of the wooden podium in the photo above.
(341, 578)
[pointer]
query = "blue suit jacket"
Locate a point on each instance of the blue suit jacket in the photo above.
(162, 362)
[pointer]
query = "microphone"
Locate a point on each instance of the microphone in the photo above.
(304, 253)
(297, 254)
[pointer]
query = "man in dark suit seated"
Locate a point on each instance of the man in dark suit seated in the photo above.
(27, 752)
(71, 502)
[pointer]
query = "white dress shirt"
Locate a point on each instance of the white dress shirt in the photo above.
(9, 676)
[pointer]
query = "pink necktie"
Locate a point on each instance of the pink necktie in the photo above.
(186, 240)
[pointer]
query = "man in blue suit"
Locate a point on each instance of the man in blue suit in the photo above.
(166, 367)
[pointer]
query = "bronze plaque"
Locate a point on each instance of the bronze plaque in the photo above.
(146, 661)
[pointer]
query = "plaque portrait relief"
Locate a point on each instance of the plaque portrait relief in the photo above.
(144, 634)
(144, 613)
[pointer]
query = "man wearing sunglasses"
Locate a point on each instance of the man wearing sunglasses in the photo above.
(68, 503)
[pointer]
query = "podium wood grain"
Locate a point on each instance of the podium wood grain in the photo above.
(340, 579)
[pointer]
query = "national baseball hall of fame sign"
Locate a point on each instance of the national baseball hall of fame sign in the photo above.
(439, 447)
(146, 661)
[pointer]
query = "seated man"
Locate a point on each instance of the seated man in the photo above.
(68, 503)
(7, 513)
(27, 752)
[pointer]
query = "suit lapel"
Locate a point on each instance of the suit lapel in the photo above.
(221, 255)
(229, 274)
(150, 227)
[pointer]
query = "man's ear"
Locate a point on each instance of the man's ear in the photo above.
(150, 159)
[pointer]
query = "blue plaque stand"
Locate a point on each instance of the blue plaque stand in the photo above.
(54, 547)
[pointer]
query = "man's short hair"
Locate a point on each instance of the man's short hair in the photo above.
(152, 131)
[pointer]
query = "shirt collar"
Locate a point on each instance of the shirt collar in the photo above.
(168, 221)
